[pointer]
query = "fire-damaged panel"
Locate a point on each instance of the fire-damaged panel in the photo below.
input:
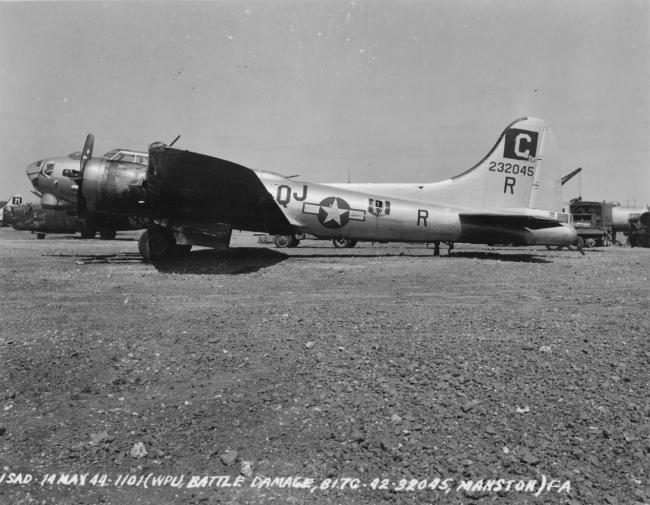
(188, 185)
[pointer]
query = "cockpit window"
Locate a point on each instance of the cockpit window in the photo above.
(73, 174)
(127, 157)
(48, 169)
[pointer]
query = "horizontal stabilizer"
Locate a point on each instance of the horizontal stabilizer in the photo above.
(508, 221)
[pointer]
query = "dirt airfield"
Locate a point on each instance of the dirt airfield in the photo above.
(378, 374)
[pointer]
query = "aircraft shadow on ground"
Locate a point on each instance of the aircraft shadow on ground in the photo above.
(243, 260)
(240, 260)
(96, 259)
(77, 237)
(368, 255)
(206, 261)
(515, 258)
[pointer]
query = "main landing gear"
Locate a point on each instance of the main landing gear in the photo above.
(158, 243)
(344, 242)
(282, 241)
(436, 247)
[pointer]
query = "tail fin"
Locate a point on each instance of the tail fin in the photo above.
(521, 171)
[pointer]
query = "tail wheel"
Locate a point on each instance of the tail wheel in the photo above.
(578, 244)
(343, 242)
(156, 244)
(283, 241)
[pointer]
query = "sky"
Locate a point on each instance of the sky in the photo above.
(367, 91)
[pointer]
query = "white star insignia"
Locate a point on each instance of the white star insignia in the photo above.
(334, 213)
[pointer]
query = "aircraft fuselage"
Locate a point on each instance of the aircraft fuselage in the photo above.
(335, 212)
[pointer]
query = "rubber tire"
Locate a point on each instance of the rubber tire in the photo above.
(343, 242)
(578, 244)
(283, 241)
(156, 244)
(107, 234)
(294, 241)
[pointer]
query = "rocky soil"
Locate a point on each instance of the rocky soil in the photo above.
(378, 374)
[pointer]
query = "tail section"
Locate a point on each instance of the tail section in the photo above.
(521, 171)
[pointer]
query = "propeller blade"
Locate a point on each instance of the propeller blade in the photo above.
(87, 152)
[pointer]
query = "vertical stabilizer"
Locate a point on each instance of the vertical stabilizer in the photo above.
(520, 171)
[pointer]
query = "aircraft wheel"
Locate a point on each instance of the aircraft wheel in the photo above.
(343, 242)
(156, 244)
(40, 236)
(283, 241)
(554, 247)
(578, 244)
(294, 241)
(590, 242)
(107, 234)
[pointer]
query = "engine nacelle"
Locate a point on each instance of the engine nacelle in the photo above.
(112, 186)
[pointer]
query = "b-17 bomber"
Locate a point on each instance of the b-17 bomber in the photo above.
(184, 198)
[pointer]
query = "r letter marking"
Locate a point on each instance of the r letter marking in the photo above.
(423, 214)
(509, 183)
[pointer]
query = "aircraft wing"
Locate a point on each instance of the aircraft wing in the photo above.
(186, 185)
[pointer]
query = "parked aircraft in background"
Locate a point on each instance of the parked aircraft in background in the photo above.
(44, 221)
(622, 217)
(14, 200)
(33, 217)
(186, 198)
(57, 181)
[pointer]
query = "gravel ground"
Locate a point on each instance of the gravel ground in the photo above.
(409, 378)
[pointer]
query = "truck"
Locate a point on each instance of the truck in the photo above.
(592, 221)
